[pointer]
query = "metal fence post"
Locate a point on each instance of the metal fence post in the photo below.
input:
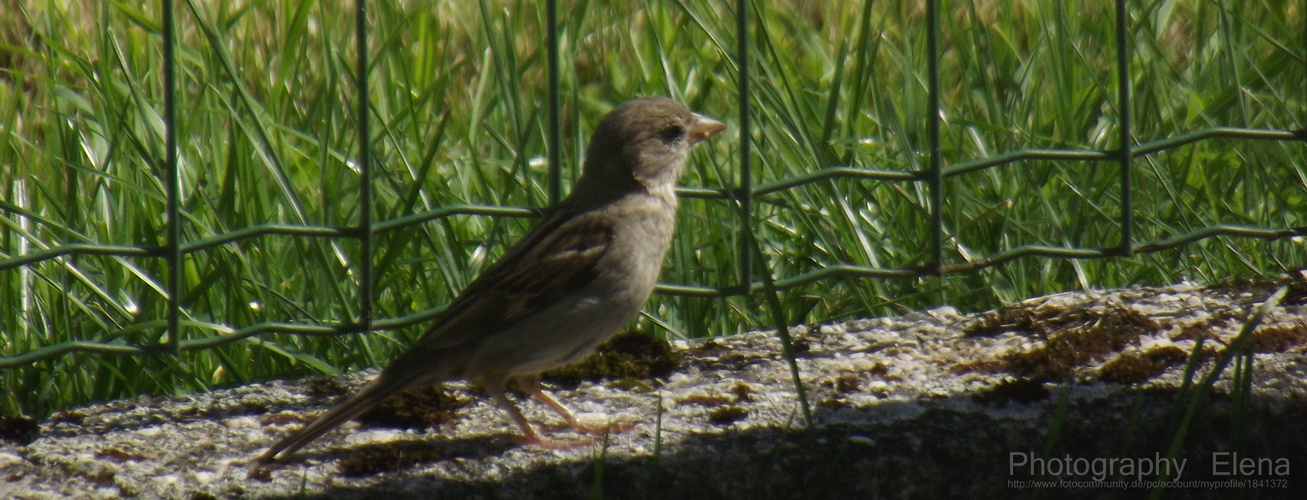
(555, 121)
(935, 171)
(172, 250)
(744, 192)
(1126, 154)
(365, 168)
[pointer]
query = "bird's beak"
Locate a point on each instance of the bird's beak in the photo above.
(703, 128)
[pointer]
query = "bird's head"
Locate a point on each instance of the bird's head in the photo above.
(644, 141)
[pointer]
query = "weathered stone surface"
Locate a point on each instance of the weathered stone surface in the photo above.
(930, 404)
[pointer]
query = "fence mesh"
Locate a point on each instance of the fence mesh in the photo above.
(361, 261)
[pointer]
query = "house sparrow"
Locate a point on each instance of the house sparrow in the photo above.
(567, 286)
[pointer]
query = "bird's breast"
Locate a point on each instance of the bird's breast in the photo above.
(640, 242)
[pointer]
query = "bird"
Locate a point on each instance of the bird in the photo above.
(571, 283)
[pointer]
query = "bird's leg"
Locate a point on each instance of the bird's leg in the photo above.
(495, 386)
(531, 384)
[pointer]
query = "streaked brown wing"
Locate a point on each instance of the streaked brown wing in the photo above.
(556, 258)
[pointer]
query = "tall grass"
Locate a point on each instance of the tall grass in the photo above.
(266, 129)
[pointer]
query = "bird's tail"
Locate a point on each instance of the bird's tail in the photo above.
(371, 395)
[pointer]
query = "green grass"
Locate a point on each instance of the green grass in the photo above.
(266, 128)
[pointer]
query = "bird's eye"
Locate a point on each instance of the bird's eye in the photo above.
(672, 133)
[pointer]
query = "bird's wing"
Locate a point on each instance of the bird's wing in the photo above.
(555, 259)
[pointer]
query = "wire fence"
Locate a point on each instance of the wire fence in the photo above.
(934, 176)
